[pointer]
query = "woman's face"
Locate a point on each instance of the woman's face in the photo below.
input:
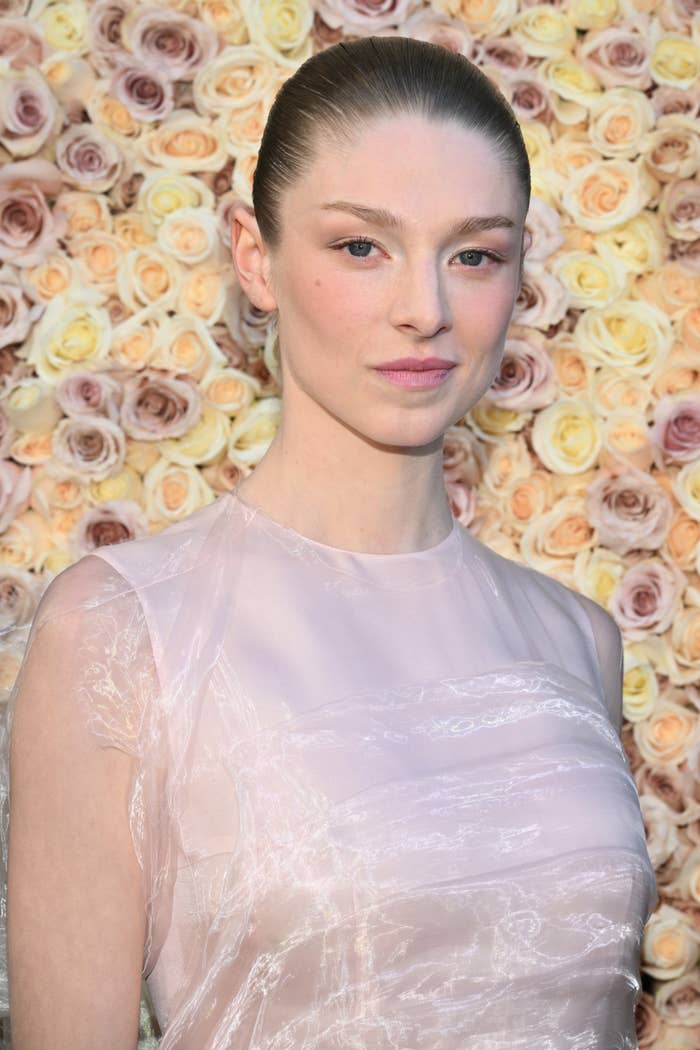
(416, 290)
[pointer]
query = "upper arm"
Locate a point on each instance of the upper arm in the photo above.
(76, 912)
(610, 653)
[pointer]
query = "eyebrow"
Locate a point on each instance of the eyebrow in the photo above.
(382, 217)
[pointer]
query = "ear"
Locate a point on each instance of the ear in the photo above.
(250, 258)
(527, 241)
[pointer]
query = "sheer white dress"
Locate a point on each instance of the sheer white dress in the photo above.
(379, 801)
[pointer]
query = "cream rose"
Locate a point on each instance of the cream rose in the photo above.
(647, 597)
(229, 389)
(626, 334)
(203, 442)
(639, 244)
(566, 436)
(172, 492)
(70, 335)
(626, 440)
(184, 143)
(252, 431)
(185, 345)
(190, 235)
(640, 690)
(675, 61)
(596, 573)
(593, 14)
(590, 279)
(164, 193)
(64, 25)
(686, 486)
(148, 276)
(604, 194)
(619, 120)
(573, 90)
(508, 461)
(685, 640)
(491, 422)
(30, 405)
(612, 389)
(237, 78)
(543, 31)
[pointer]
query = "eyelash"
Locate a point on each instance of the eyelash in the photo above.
(366, 240)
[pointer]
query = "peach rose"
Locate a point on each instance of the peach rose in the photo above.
(625, 440)
(114, 521)
(133, 342)
(619, 120)
(551, 542)
(172, 492)
(612, 390)
(607, 193)
(526, 377)
(683, 540)
(526, 499)
(230, 389)
(509, 460)
(190, 235)
(111, 115)
(148, 276)
(97, 257)
(53, 276)
(184, 143)
(84, 212)
(681, 371)
(675, 431)
(204, 292)
(186, 345)
(157, 406)
(29, 231)
(88, 448)
(647, 597)
(571, 368)
(226, 19)
(169, 40)
(629, 510)
(239, 77)
(671, 288)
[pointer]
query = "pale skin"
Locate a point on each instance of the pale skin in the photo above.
(356, 462)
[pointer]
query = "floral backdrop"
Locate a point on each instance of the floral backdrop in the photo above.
(138, 383)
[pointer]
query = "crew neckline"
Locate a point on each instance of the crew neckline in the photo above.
(403, 569)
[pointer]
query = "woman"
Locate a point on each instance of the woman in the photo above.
(315, 761)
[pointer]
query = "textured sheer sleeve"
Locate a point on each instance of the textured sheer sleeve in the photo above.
(608, 643)
(88, 647)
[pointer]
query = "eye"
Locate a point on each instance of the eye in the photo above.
(364, 242)
(473, 257)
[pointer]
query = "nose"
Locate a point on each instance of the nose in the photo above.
(419, 301)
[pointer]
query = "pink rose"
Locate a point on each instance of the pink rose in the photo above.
(629, 510)
(526, 377)
(89, 159)
(680, 209)
(105, 33)
(89, 394)
(16, 316)
(145, 91)
(463, 501)
(542, 300)
(28, 112)
(15, 490)
(463, 457)
(618, 56)
(88, 449)
(29, 231)
(19, 596)
(529, 99)
(543, 223)
(112, 521)
(363, 17)
(502, 52)
(158, 406)
(647, 597)
(20, 43)
(667, 100)
(675, 432)
(170, 40)
(435, 27)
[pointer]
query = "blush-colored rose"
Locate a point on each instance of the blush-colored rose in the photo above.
(647, 598)
(90, 449)
(675, 431)
(679, 208)
(88, 158)
(357, 17)
(171, 40)
(105, 33)
(21, 44)
(89, 394)
(542, 300)
(15, 490)
(29, 230)
(525, 380)
(112, 521)
(19, 596)
(28, 112)
(16, 317)
(156, 406)
(619, 56)
(629, 510)
(147, 92)
(463, 456)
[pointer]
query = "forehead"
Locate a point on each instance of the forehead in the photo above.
(414, 166)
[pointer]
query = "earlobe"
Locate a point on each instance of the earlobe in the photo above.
(250, 258)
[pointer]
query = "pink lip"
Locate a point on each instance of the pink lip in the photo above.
(415, 364)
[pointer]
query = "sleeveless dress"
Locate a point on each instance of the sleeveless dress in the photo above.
(378, 800)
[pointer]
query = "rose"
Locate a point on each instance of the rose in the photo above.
(163, 193)
(223, 475)
(689, 334)
(640, 690)
(185, 345)
(647, 597)
(509, 461)
(28, 111)
(184, 143)
(89, 394)
(675, 431)
(145, 91)
(671, 288)
(114, 521)
(686, 486)
(639, 243)
(133, 230)
(683, 541)
(242, 130)
(672, 150)
(526, 376)
(88, 158)
(97, 257)
(528, 98)
(606, 193)
(173, 492)
(596, 573)
(226, 19)
(619, 118)
(31, 449)
(28, 229)
(552, 541)
(675, 61)
(502, 53)
(571, 369)
(543, 224)
(104, 33)
(15, 315)
(626, 440)
(203, 442)
(134, 339)
(679, 209)
(203, 292)
(15, 490)
(463, 457)
(592, 14)
(20, 43)
(25, 542)
(69, 334)
(51, 277)
(590, 279)
(70, 79)
(526, 499)
(88, 448)
(618, 56)
(629, 510)
(30, 406)
(572, 151)
(19, 596)
(84, 212)
(612, 389)
(360, 19)
(573, 90)
(64, 24)
(566, 436)
(169, 40)
(685, 639)
(282, 28)
(237, 78)
(229, 389)
(126, 485)
(436, 27)
(189, 235)
(543, 31)
(625, 334)
(491, 422)
(156, 406)
(252, 431)
(669, 100)
(109, 114)
(147, 276)
(542, 300)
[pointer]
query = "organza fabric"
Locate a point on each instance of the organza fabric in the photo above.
(379, 801)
